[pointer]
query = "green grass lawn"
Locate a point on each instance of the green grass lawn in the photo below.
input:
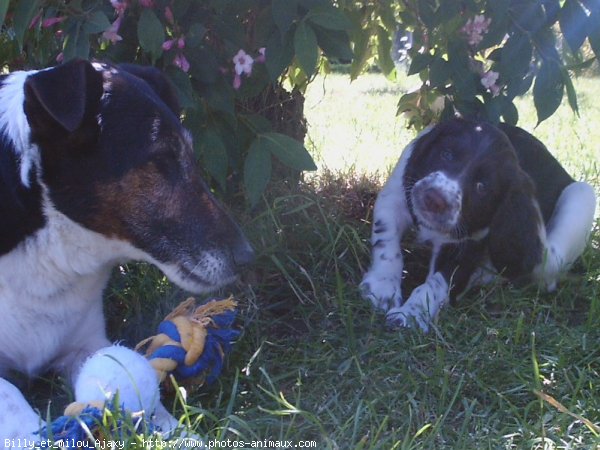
(315, 362)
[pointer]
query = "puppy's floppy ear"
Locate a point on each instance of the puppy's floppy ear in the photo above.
(515, 240)
(65, 96)
(158, 82)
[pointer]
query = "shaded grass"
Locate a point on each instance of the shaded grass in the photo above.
(468, 384)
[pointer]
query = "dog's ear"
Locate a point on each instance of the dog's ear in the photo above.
(158, 82)
(516, 230)
(62, 96)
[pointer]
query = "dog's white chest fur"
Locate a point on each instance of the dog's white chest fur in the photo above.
(50, 294)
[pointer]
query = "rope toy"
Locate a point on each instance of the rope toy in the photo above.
(70, 431)
(191, 345)
(193, 341)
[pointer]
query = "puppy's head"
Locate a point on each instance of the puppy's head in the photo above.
(115, 159)
(464, 181)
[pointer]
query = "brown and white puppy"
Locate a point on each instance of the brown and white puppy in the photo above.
(95, 169)
(481, 196)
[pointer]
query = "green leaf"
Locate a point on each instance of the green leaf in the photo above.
(548, 90)
(3, 9)
(571, 94)
(257, 171)
(572, 20)
(552, 9)
(510, 113)
(183, 87)
(195, 35)
(97, 22)
(335, 44)
(362, 53)
(465, 81)
(387, 15)
(76, 43)
(498, 12)
(219, 96)
(309, 4)
(527, 14)
(384, 51)
(427, 13)
(280, 53)
(330, 18)
(214, 155)
(204, 66)
(306, 47)
(493, 108)
(256, 123)
(284, 13)
(151, 33)
(288, 150)
(408, 103)
(24, 13)
(439, 72)
(419, 62)
(593, 30)
(515, 57)
(180, 9)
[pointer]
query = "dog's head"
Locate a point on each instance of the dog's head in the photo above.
(115, 159)
(464, 181)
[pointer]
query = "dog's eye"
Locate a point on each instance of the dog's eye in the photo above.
(480, 188)
(447, 154)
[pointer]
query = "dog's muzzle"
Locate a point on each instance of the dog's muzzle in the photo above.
(437, 201)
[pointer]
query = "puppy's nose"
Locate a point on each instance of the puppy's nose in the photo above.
(434, 201)
(243, 254)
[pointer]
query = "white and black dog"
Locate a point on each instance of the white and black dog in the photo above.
(95, 169)
(482, 196)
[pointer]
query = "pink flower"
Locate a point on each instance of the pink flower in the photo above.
(60, 57)
(488, 80)
(261, 58)
(237, 81)
(112, 33)
(168, 45)
(119, 5)
(475, 28)
(46, 23)
(243, 63)
(35, 20)
(182, 62)
(169, 15)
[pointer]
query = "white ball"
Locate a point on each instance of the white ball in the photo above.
(121, 369)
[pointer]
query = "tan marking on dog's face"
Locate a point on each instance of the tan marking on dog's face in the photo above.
(134, 178)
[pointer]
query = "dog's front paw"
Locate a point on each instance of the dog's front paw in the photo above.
(383, 291)
(408, 316)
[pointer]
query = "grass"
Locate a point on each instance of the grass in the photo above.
(316, 363)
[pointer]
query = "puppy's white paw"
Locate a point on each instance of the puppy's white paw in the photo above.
(383, 291)
(408, 316)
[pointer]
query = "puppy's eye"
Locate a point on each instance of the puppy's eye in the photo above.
(480, 188)
(447, 154)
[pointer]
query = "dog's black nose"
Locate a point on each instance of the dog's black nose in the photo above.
(434, 201)
(243, 254)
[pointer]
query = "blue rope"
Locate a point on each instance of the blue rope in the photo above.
(219, 341)
(72, 431)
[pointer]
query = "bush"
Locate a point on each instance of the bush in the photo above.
(229, 60)
(221, 55)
